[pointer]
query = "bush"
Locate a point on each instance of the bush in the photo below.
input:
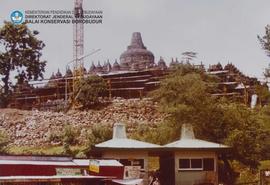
(89, 91)
(70, 135)
(98, 134)
(69, 138)
(161, 135)
(4, 140)
(54, 137)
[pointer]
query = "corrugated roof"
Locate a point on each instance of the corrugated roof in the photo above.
(40, 178)
(28, 162)
(72, 162)
(85, 162)
(35, 158)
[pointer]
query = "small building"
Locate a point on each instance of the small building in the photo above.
(129, 152)
(190, 161)
(56, 170)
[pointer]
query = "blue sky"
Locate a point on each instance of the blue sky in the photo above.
(219, 30)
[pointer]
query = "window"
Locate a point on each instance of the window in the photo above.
(196, 163)
(184, 163)
(125, 162)
(132, 162)
(138, 162)
(208, 164)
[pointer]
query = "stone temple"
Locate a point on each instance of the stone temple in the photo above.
(134, 76)
(136, 57)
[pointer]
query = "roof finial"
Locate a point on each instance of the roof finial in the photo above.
(136, 41)
(187, 132)
(119, 131)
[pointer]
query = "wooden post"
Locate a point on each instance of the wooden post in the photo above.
(110, 89)
(261, 178)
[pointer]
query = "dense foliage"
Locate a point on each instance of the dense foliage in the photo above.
(185, 97)
(21, 52)
(90, 90)
(265, 43)
(98, 134)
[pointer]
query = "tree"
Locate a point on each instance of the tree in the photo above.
(263, 94)
(188, 56)
(265, 40)
(89, 91)
(264, 119)
(21, 52)
(265, 43)
(186, 98)
(185, 95)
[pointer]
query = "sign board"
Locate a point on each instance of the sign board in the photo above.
(265, 176)
(267, 173)
(68, 172)
(94, 165)
(153, 163)
(132, 172)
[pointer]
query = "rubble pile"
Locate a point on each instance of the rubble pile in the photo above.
(34, 128)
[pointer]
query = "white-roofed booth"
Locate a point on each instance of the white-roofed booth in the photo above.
(194, 160)
(188, 161)
(129, 152)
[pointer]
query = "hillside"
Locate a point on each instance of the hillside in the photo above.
(33, 128)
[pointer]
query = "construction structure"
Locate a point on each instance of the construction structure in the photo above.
(234, 84)
(78, 39)
(135, 76)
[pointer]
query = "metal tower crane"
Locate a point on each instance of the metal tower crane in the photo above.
(78, 52)
(78, 56)
(78, 42)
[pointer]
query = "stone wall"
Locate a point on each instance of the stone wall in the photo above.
(33, 128)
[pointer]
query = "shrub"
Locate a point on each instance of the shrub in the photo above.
(54, 137)
(98, 134)
(89, 90)
(4, 140)
(70, 135)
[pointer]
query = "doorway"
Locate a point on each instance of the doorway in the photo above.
(167, 167)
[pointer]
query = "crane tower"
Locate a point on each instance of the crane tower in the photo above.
(78, 46)
(78, 40)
